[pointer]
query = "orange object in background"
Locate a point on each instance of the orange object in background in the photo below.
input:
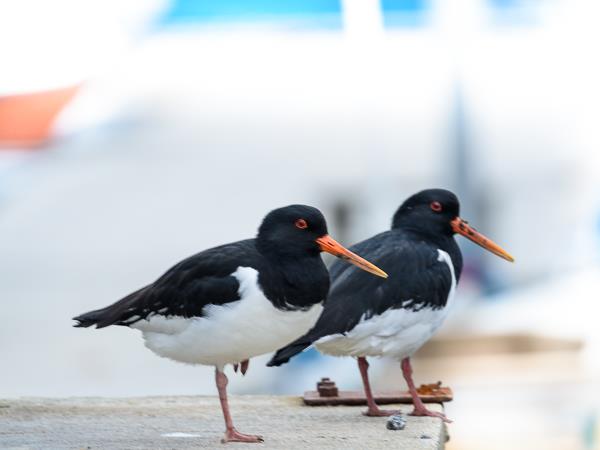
(26, 119)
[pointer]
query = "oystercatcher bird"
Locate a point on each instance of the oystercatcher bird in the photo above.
(230, 303)
(365, 317)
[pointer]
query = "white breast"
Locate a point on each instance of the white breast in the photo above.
(397, 333)
(231, 332)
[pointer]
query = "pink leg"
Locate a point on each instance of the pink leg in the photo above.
(419, 407)
(244, 366)
(231, 434)
(372, 410)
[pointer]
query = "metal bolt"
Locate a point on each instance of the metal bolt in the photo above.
(327, 388)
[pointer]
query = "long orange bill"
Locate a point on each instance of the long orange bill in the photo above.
(460, 226)
(330, 245)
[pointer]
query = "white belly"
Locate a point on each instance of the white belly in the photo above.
(228, 333)
(397, 333)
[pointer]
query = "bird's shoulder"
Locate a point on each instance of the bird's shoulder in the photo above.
(401, 254)
(218, 261)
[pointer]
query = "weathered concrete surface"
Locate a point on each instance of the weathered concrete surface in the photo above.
(146, 423)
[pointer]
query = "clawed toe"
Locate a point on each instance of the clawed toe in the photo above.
(427, 413)
(379, 412)
(236, 436)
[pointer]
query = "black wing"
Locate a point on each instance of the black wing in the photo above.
(184, 290)
(416, 279)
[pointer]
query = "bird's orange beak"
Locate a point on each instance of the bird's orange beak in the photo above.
(330, 245)
(461, 227)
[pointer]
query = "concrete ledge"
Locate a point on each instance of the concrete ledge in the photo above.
(196, 422)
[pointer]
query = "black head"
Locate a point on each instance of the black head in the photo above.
(298, 231)
(435, 212)
(292, 230)
(430, 211)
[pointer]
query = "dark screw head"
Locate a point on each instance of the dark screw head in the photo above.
(327, 388)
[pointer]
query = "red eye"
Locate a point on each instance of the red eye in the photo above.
(436, 206)
(301, 223)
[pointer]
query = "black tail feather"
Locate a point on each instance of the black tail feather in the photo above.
(91, 318)
(284, 354)
(118, 313)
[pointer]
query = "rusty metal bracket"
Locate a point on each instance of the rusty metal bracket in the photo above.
(327, 393)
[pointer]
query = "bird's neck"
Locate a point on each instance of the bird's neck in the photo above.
(450, 246)
(295, 282)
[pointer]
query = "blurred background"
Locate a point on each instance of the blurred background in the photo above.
(134, 133)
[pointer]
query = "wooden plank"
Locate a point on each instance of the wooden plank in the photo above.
(430, 393)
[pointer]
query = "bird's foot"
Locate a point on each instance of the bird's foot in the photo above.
(425, 412)
(233, 435)
(376, 412)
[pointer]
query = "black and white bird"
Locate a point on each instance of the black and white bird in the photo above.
(365, 317)
(230, 303)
